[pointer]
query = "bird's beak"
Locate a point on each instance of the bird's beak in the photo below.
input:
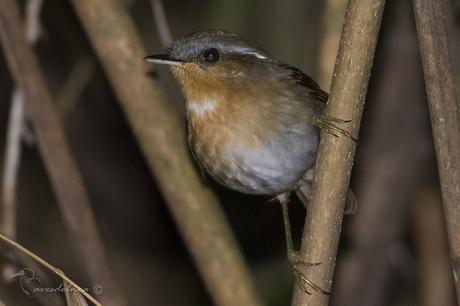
(164, 59)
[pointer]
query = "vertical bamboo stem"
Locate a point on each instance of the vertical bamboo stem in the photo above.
(440, 89)
(349, 86)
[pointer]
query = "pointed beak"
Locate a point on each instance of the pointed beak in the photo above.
(164, 59)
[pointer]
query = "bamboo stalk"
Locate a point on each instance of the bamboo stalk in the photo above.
(65, 178)
(440, 89)
(349, 86)
(391, 168)
(160, 135)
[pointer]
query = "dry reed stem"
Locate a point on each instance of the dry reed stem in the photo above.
(445, 121)
(16, 123)
(50, 267)
(349, 86)
(392, 165)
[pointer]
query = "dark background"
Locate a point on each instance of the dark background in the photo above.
(392, 252)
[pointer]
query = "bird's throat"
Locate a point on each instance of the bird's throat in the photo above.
(202, 107)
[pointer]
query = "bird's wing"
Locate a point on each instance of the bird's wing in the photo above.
(326, 123)
(304, 80)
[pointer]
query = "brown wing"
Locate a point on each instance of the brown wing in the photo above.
(307, 82)
(324, 122)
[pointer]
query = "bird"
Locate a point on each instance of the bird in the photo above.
(253, 122)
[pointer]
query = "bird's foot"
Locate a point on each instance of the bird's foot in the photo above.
(302, 281)
(327, 124)
(351, 204)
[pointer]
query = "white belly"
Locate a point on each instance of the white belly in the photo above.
(272, 169)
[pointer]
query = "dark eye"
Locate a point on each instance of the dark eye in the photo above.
(211, 55)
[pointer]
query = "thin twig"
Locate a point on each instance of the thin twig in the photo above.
(161, 22)
(75, 84)
(16, 123)
(77, 80)
(32, 24)
(160, 134)
(16, 130)
(445, 121)
(12, 159)
(351, 75)
(65, 178)
(22, 262)
(50, 267)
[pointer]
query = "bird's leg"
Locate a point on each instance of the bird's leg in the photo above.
(293, 256)
(351, 204)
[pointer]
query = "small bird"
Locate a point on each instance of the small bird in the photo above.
(253, 122)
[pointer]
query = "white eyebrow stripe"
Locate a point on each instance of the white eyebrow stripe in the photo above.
(249, 51)
(201, 108)
(258, 55)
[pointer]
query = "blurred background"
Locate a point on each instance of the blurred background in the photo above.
(393, 251)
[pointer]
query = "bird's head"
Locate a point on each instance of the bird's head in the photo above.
(214, 63)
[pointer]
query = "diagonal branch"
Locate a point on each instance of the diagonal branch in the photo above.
(440, 89)
(50, 267)
(60, 164)
(158, 131)
(349, 86)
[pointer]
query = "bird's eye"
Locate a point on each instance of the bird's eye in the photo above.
(211, 55)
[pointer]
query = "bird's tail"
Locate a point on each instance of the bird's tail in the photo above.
(304, 194)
